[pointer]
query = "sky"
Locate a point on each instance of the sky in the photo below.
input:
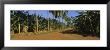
(46, 14)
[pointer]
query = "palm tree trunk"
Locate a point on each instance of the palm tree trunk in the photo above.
(62, 24)
(37, 23)
(19, 28)
(59, 21)
(19, 25)
(48, 25)
(27, 24)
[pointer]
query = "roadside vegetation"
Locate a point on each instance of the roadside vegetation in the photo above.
(26, 26)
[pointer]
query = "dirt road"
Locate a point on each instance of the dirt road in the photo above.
(51, 36)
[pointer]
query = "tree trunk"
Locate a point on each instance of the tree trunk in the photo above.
(12, 32)
(27, 25)
(19, 28)
(59, 21)
(37, 23)
(62, 23)
(19, 25)
(25, 29)
(48, 25)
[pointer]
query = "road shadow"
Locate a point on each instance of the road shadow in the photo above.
(75, 32)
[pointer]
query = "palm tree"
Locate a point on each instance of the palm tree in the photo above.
(53, 13)
(63, 15)
(13, 21)
(59, 14)
(16, 21)
(36, 20)
(48, 24)
(19, 24)
(19, 15)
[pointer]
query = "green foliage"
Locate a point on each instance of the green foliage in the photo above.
(88, 22)
(29, 20)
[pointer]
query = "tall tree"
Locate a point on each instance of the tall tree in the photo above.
(88, 22)
(59, 14)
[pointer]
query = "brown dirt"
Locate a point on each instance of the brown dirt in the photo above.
(51, 36)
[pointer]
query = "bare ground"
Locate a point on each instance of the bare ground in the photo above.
(52, 36)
